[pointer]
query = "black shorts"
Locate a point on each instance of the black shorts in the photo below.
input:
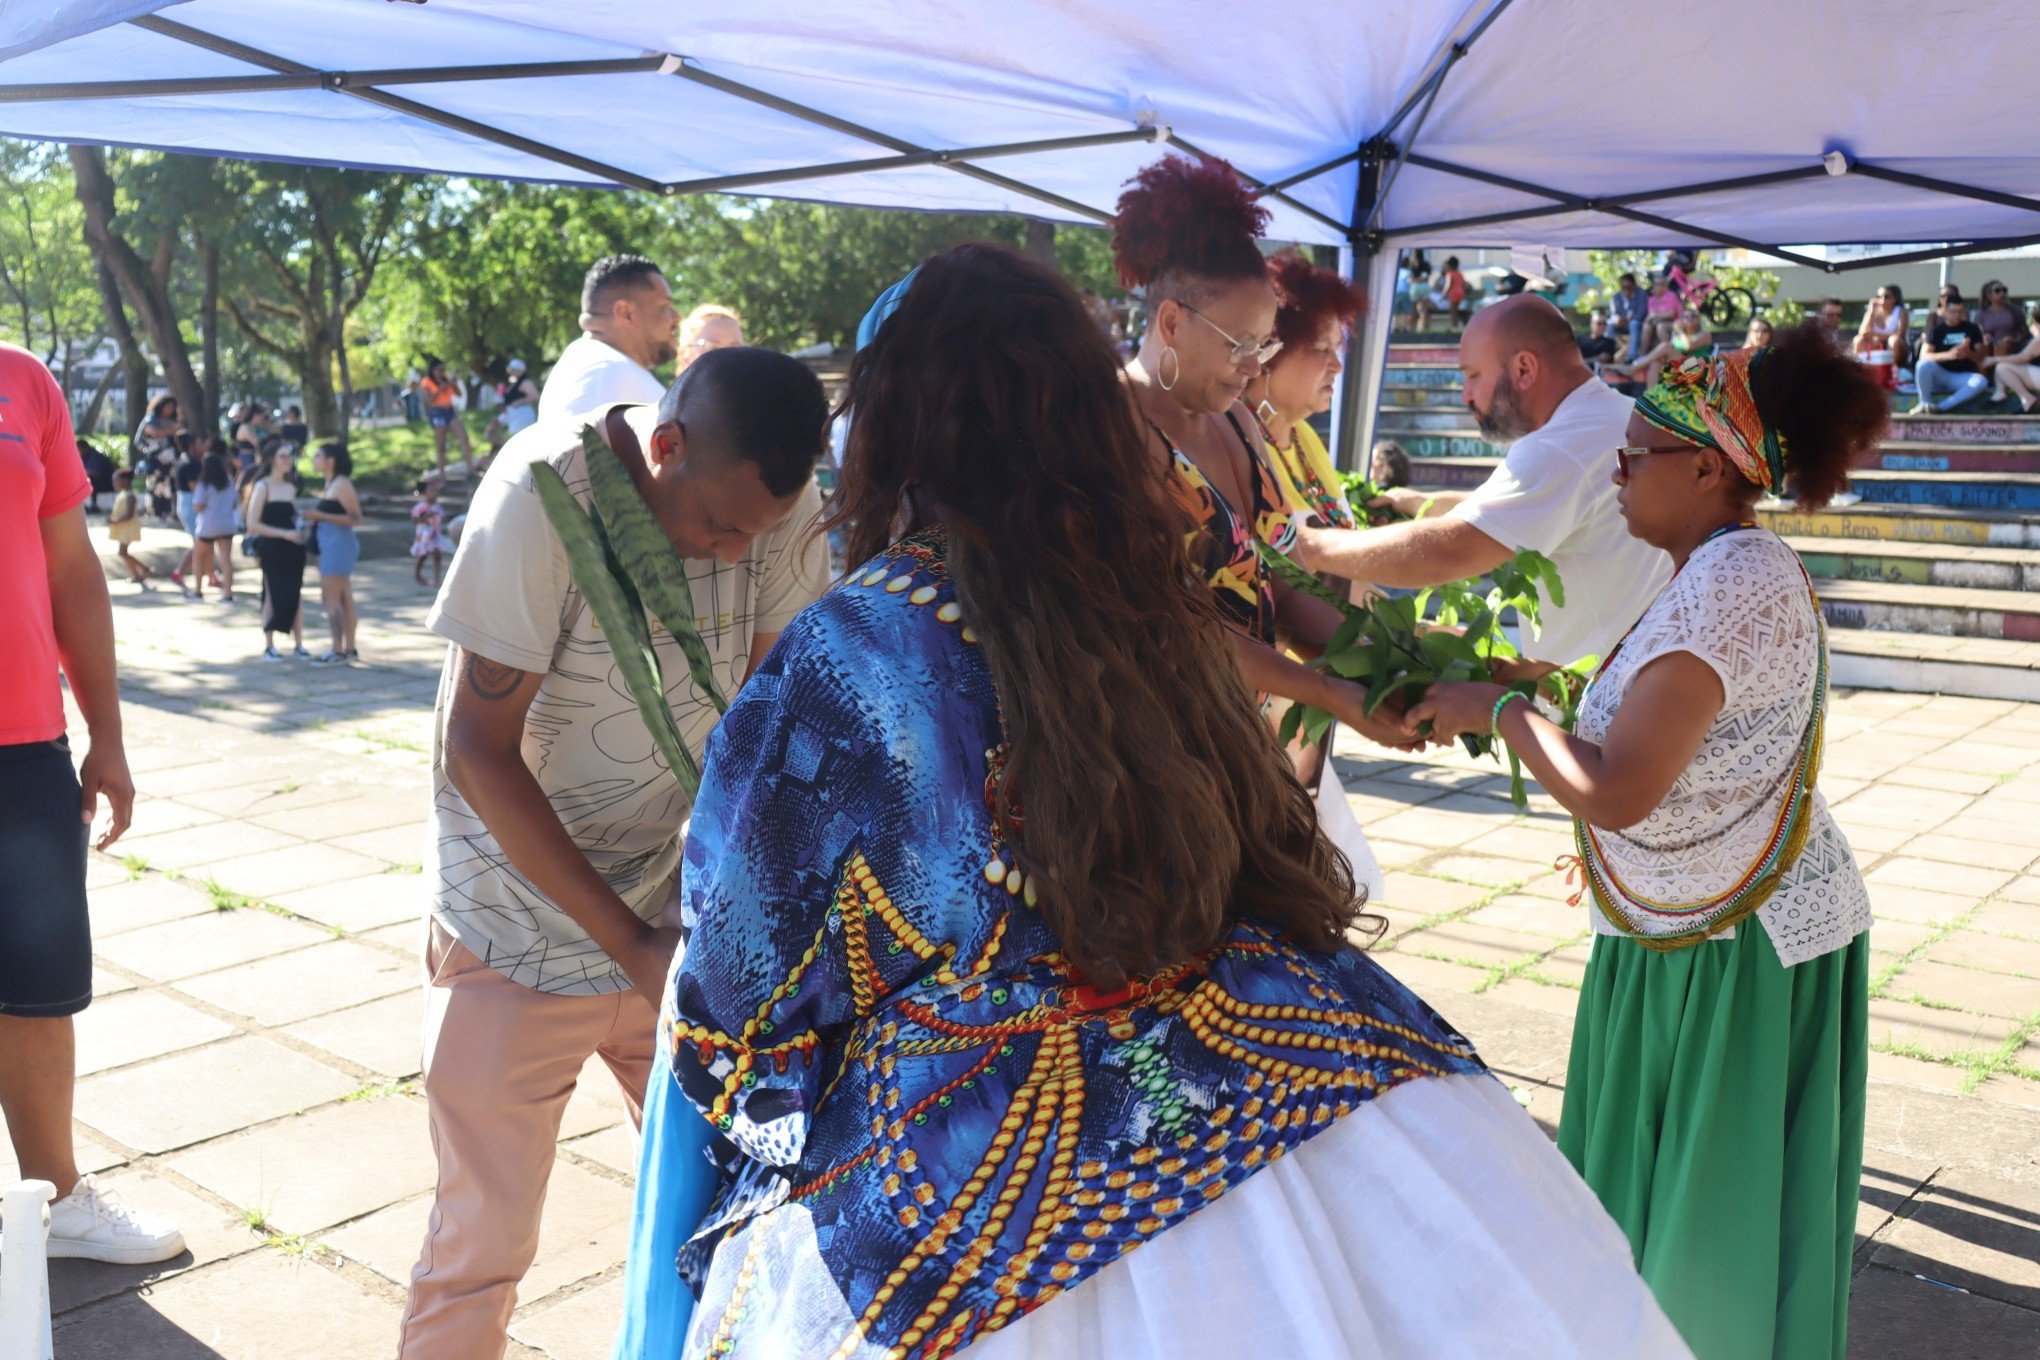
(45, 937)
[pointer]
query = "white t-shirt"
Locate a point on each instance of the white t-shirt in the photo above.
(592, 375)
(509, 596)
(1555, 493)
(1742, 605)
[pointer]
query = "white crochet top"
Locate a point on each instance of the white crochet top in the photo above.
(1742, 606)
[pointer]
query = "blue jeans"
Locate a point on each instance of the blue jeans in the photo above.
(1944, 391)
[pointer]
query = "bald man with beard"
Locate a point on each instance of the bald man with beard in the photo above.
(1530, 391)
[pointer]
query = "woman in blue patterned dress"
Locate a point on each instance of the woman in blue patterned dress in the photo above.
(1013, 946)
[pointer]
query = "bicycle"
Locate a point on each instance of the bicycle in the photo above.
(1723, 307)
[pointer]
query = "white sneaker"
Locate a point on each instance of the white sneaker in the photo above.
(93, 1225)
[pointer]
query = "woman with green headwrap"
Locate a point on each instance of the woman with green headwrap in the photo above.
(1714, 1098)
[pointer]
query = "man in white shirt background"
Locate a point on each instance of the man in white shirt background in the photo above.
(1528, 388)
(629, 327)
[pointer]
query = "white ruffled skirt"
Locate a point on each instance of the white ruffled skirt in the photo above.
(1434, 1222)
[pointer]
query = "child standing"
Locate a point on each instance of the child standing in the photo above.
(429, 540)
(124, 526)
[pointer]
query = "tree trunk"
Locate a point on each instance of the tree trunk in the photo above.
(145, 288)
(209, 336)
(133, 364)
(346, 378)
(89, 422)
(1040, 244)
(315, 375)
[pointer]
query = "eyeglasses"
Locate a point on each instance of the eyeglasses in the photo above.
(1259, 350)
(1629, 451)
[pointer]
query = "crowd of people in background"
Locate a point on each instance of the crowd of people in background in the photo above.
(1982, 356)
(247, 491)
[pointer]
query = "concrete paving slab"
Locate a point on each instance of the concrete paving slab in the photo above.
(304, 983)
(201, 944)
(1905, 871)
(1993, 953)
(262, 1306)
(1976, 1232)
(149, 900)
(288, 1172)
(188, 1097)
(362, 904)
(382, 1036)
(134, 1026)
(1969, 989)
(302, 865)
(580, 1327)
(213, 846)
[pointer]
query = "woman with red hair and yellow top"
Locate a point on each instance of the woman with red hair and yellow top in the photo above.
(1315, 307)
(1714, 1097)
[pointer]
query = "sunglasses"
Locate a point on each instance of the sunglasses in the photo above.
(1629, 451)
(1242, 350)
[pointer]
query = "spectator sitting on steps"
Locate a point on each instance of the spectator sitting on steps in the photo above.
(2018, 374)
(1949, 373)
(1690, 339)
(1599, 347)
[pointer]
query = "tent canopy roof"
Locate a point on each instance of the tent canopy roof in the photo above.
(1554, 122)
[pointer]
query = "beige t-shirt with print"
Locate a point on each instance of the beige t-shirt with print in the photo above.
(509, 596)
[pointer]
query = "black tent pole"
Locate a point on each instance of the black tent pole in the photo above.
(1355, 423)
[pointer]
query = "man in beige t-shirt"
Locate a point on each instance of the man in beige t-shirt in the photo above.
(555, 842)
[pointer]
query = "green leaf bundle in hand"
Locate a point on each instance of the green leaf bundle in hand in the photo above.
(1396, 651)
(622, 561)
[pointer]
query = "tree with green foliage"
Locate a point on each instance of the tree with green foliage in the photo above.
(301, 256)
(489, 271)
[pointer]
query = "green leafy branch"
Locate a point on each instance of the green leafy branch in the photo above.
(1399, 646)
(622, 562)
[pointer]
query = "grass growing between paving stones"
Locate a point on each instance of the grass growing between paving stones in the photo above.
(389, 743)
(226, 899)
(405, 1086)
(1496, 973)
(1976, 1064)
(135, 865)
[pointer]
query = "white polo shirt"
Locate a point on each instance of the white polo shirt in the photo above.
(593, 375)
(1555, 492)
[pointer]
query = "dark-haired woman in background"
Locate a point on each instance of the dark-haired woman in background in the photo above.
(216, 511)
(1186, 233)
(1014, 946)
(279, 534)
(334, 519)
(1715, 1094)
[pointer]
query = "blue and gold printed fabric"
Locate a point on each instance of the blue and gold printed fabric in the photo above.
(929, 1125)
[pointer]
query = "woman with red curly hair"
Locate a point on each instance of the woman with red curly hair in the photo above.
(1188, 234)
(1316, 307)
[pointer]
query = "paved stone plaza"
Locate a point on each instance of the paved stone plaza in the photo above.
(250, 1065)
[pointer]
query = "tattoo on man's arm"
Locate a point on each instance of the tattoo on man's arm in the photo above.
(492, 679)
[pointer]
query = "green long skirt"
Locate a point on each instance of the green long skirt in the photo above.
(1714, 1101)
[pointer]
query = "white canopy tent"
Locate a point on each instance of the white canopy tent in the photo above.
(1369, 124)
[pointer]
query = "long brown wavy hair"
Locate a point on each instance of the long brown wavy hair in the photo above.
(1157, 807)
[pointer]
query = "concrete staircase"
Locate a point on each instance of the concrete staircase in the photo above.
(1930, 583)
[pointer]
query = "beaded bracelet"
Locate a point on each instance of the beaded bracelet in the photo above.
(1495, 723)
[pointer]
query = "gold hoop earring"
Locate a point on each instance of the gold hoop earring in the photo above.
(1266, 411)
(1169, 352)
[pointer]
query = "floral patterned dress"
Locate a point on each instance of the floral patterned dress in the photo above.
(1222, 544)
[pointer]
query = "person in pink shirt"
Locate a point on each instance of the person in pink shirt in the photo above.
(57, 621)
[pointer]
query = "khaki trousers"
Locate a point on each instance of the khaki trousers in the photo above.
(500, 1062)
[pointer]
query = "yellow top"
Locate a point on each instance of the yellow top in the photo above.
(1307, 479)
